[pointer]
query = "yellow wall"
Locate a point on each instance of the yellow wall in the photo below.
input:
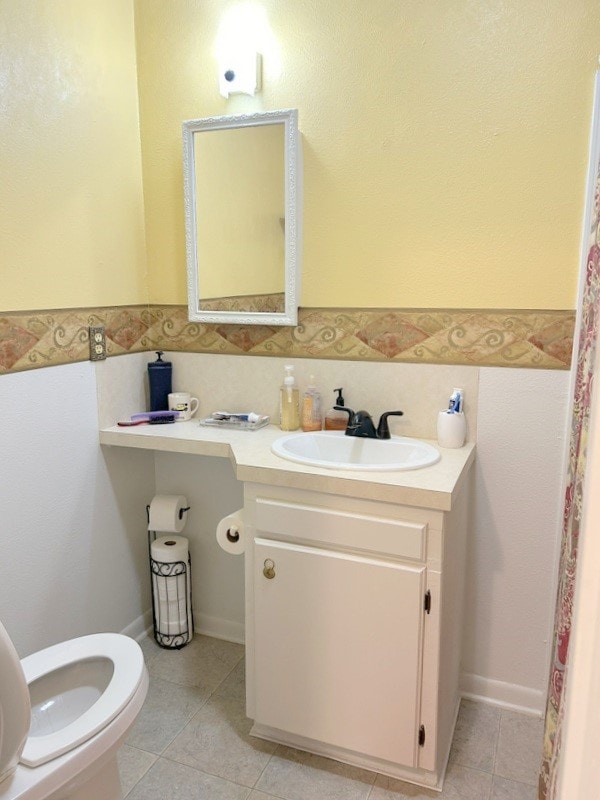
(445, 143)
(71, 225)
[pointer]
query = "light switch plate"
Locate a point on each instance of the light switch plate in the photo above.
(97, 343)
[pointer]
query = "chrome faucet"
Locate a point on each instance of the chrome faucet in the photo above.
(360, 423)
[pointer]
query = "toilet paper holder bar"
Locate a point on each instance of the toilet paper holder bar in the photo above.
(181, 512)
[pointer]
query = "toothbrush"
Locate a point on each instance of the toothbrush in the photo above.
(455, 404)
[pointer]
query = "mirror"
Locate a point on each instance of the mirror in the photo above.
(242, 188)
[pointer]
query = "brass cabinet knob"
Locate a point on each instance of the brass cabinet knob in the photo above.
(269, 568)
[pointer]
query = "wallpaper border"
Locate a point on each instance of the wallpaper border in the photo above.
(541, 339)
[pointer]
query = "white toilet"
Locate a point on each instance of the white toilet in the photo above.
(64, 712)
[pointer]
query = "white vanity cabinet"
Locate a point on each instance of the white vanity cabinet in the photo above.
(353, 595)
(353, 611)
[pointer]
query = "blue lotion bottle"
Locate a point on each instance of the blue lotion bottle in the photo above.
(160, 382)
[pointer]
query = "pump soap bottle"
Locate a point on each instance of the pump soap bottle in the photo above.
(311, 408)
(336, 420)
(160, 382)
(289, 402)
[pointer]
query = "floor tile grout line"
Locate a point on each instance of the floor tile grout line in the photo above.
(211, 774)
(143, 774)
(180, 731)
(372, 786)
(141, 749)
(184, 686)
(212, 695)
(491, 789)
(499, 775)
(497, 744)
(218, 686)
(208, 697)
(265, 766)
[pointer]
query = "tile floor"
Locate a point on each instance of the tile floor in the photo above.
(191, 742)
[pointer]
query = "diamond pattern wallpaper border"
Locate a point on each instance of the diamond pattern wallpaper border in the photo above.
(476, 337)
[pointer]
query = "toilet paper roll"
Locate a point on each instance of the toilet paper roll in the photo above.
(169, 549)
(167, 513)
(230, 533)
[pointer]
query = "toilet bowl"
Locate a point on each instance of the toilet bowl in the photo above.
(64, 712)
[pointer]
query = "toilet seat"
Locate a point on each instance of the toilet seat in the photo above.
(40, 783)
(14, 706)
(128, 671)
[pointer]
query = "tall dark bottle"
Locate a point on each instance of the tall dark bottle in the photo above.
(160, 382)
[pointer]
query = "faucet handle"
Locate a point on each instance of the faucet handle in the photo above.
(383, 431)
(346, 409)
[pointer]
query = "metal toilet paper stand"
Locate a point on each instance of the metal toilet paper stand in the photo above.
(180, 594)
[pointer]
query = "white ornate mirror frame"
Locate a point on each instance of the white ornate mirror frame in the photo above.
(292, 227)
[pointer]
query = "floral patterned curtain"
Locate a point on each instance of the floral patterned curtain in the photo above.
(588, 336)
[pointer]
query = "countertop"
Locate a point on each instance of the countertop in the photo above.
(250, 453)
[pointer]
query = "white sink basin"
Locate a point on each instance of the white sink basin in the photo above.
(335, 450)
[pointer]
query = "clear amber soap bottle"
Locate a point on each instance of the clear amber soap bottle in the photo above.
(289, 402)
(311, 408)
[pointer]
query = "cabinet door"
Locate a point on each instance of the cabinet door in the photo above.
(338, 648)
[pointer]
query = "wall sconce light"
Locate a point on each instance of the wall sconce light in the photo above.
(239, 73)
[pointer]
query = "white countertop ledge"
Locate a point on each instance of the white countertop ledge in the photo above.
(250, 453)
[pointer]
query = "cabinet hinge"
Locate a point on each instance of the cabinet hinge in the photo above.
(427, 603)
(421, 735)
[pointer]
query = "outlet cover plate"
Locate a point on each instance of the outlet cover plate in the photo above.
(97, 343)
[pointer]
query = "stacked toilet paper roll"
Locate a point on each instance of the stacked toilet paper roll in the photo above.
(230, 533)
(171, 577)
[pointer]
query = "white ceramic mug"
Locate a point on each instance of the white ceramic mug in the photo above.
(184, 403)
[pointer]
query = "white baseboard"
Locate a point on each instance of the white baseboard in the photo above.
(140, 627)
(203, 623)
(219, 628)
(511, 696)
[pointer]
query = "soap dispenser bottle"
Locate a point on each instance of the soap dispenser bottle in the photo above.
(336, 420)
(289, 402)
(311, 408)
(160, 382)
